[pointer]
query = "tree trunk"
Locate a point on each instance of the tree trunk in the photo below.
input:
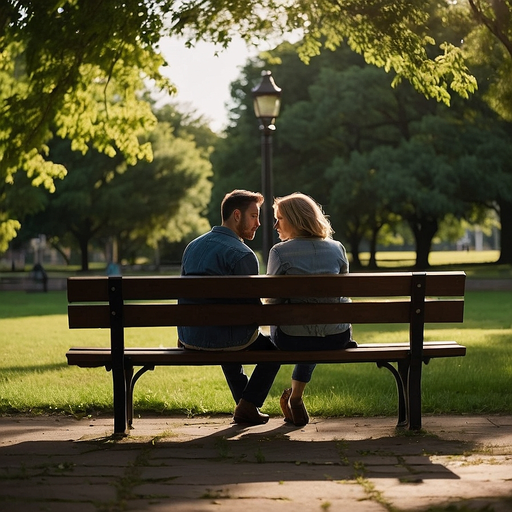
(372, 264)
(424, 231)
(506, 232)
(83, 244)
(354, 240)
(84, 254)
(373, 245)
(60, 250)
(157, 256)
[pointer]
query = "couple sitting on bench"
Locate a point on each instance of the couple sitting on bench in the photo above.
(306, 247)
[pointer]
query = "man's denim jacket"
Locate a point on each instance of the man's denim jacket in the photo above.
(218, 252)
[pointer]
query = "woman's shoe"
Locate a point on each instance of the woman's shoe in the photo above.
(283, 402)
(299, 412)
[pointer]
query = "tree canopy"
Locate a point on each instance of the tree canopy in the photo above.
(104, 200)
(370, 153)
(75, 68)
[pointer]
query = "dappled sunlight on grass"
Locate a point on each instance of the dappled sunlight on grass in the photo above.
(34, 374)
(397, 259)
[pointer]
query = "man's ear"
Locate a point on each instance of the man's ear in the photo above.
(237, 215)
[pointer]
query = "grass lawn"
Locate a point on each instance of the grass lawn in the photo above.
(35, 377)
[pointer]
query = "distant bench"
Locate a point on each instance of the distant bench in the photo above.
(119, 303)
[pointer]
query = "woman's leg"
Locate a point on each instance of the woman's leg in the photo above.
(291, 401)
(303, 372)
(297, 390)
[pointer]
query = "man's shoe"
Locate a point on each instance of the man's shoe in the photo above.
(248, 413)
(285, 407)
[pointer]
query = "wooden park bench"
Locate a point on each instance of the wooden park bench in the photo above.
(119, 303)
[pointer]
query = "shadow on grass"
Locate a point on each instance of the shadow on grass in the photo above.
(21, 304)
(29, 370)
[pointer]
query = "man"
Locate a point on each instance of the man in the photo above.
(222, 251)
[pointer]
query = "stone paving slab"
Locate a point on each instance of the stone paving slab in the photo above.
(457, 463)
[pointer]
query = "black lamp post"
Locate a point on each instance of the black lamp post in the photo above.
(267, 102)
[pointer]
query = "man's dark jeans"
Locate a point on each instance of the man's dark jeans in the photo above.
(256, 388)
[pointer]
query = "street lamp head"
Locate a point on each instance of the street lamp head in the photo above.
(267, 101)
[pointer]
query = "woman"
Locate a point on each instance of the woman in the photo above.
(306, 247)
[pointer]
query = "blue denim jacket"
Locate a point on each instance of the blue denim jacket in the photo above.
(218, 252)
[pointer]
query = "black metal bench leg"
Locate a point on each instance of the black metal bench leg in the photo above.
(416, 338)
(118, 377)
(129, 393)
(128, 376)
(400, 387)
(414, 396)
(117, 346)
(403, 370)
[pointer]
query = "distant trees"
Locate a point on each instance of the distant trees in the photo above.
(373, 155)
(75, 69)
(137, 206)
(488, 49)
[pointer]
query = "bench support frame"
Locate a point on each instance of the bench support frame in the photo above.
(119, 370)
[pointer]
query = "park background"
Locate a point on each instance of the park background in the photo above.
(412, 164)
(397, 164)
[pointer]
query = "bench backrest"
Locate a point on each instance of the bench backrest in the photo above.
(391, 297)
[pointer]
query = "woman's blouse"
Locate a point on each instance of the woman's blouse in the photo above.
(308, 255)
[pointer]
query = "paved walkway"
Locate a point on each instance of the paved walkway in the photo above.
(58, 464)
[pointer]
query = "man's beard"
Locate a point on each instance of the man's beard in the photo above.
(246, 232)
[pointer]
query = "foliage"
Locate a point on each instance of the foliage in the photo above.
(137, 205)
(491, 40)
(8, 230)
(488, 50)
(372, 154)
(390, 35)
(164, 199)
(63, 61)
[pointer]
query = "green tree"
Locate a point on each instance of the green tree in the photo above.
(168, 197)
(138, 206)
(488, 49)
(371, 153)
(393, 153)
(361, 209)
(61, 59)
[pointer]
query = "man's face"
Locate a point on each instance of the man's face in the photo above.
(249, 222)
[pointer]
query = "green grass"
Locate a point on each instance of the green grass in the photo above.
(479, 264)
(35, 377)
(436, 258)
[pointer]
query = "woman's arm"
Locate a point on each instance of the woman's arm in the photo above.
(274, 267)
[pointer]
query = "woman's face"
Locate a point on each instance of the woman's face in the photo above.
(283, 227)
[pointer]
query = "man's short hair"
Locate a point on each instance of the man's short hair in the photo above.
(239, 200)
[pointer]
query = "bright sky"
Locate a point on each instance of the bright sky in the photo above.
(203, 78)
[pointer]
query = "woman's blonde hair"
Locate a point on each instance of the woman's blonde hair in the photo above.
(304, 214)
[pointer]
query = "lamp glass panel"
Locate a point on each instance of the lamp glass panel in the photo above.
(267, 106)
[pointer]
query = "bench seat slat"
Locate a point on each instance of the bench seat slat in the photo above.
(96, 357)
